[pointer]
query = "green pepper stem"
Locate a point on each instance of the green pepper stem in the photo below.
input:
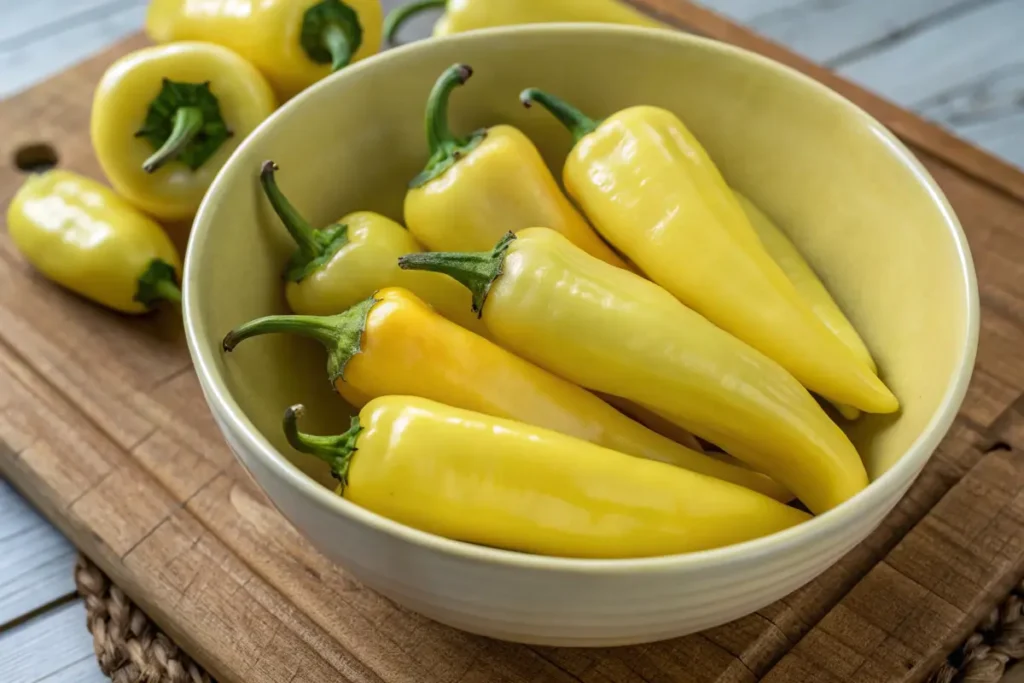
(398, 16)
(298, 227)
(572, 118)
(341, 334)
(157, 283)
(188, 121)
(476, 271)
(336, 450)
(445, 148)
(337, 43)
(439, 135)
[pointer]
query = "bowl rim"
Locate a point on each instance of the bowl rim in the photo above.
(902, 473)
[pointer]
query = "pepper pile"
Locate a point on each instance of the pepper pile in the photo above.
(667, 295)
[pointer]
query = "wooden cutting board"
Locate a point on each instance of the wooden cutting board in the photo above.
(103, 427)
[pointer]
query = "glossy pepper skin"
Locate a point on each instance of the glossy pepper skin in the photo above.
(340, 265)
(476, 189)
(166, 118)
(649, 188)
(394, 344)
(83, 236)
(472, 477)
(294, 43)
(612, 331)
(807, 283)
(467, 15)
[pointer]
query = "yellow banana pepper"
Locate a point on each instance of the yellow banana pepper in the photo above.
(477, 188)
(336, 267)
(612, 331)
(472, 477)
(806, 281)
(294, 43)
(83, 236)
(467, 15)
(166, 118)
(394, 344)
(640, 177)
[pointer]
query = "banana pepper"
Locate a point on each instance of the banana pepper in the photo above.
(472, 477)
(166, 118)
(477, 188)
(630, 338)
(467, 15)
(294, 43)
(394, 344)
(650, 189)
(83, 236)
(340, 265)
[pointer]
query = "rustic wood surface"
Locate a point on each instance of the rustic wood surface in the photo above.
(154, 496)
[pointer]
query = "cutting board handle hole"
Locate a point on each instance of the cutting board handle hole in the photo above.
(35, 157)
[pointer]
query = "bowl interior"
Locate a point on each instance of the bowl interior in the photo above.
(861, 210)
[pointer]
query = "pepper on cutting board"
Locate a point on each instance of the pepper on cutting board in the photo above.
(294, 43)
(338, 266)
(479, 187)
(166, 118)
(82, 235)
(472, 477)
(649, 187)
(393, 343)
(630, 338)
(467, 15)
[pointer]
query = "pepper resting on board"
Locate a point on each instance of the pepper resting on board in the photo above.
(82, 235)
(612, 331)
(392, 343)
(639, 177)
(467, 15)
(294, 43)
(477, 188)
(472, 477)
(166, 118)
(335, 268)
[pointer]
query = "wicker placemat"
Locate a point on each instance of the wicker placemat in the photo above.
(132, 649)
(129, 647)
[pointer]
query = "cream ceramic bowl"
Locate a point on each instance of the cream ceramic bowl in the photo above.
(864, 212)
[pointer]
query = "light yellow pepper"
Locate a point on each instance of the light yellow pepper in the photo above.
(294, 43)
(83, 236)
(165, 119)
(612, 331)
(393, 343)
(467, 15)
(342, 264)
(641, 178)
(477, 188)
(471, 477)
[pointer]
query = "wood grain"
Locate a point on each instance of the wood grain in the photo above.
(106, 431)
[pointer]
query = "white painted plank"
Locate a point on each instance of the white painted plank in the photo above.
(26, 21)
(24, 65)
(1004, 136)
(746, 10)
(55, 647)
(945, 56)
(36, 562)
(828, 30)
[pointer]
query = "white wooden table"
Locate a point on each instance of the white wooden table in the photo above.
(957, 62)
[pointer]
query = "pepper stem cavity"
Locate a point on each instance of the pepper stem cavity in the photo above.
(445, 148)
(316, 247)
(398, 16)
(336, 451)
(331, 33)
(572, 118)
(159, 282)
(341, 334)
(477, 271)
(184, 124)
